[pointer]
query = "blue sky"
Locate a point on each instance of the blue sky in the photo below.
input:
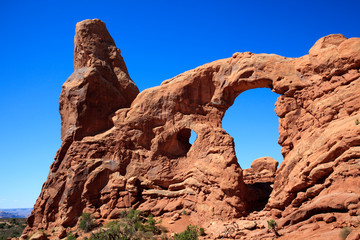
(158, 40)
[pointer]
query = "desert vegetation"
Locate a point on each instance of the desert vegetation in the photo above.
(11, 227)
(87, 222)
(272, 225)
(191, 233)
(132, 225)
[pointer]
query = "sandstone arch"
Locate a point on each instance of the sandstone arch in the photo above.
(320, 142)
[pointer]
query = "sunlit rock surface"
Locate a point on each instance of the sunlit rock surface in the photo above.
(123, 149)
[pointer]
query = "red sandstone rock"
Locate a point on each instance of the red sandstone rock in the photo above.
(99, 86)
(124, 150)
(354, 235)
(39, 236)
(259, 180)
(265, 164)
(262, 170)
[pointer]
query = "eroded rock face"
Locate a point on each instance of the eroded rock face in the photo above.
(261, 170)
(99, 86)
(259, 180)
(142, 158)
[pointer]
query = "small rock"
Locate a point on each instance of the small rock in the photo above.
(276, 213)
(39, 236)
(352, 212)
(250, 225)
(60, 231)
(23, 237)
(175, 217)
(330, 219)
(96, 215)
(316, 226)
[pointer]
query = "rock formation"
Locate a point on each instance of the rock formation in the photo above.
(259, 180)
(122, 149)
(99, 86)
(262, 170)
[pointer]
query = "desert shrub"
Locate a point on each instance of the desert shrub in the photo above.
(134, 225)
(112, 224)
(344, 232)
(111, 234)
(11, 228)
(272, 224)
(131, 224)
(15, 233)
(191, 233)
(151, 225)
(86, 222)
(357, 122)
(71, 236)
(13, 221)
(202, 232)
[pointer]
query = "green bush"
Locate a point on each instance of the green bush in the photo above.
(131, 224)
(272, 224)
(15, 233)
(202, 232)
(344, 232)
(111, 234)
(151, 225)
(87, 222)
(71, 236)
(191, 233)
(11, 228)
(112, 224)
(13, 221)
(134, 225)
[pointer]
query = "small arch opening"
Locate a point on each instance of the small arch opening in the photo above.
(179, 144)
(193, 137)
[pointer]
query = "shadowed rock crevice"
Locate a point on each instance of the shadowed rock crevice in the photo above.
(259, 194)
(259, 181)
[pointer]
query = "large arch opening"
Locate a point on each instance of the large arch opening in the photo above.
(253, 124)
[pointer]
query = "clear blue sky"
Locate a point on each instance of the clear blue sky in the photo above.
(158, 39)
